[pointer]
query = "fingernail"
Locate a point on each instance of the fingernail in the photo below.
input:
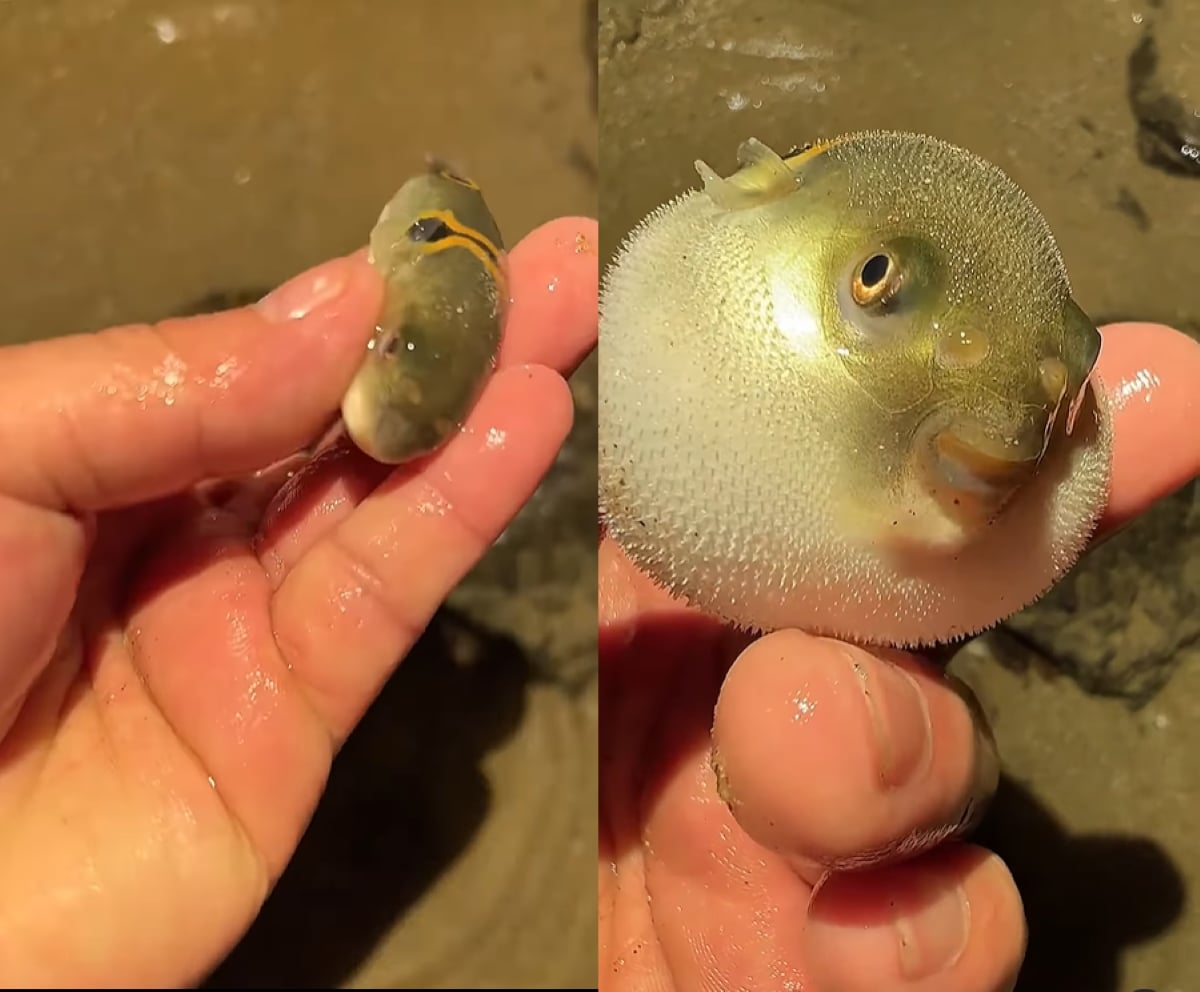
(299, 297)
(932, 934)
(898, 714)
(896, 925)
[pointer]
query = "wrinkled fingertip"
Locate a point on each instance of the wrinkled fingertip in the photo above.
(948, 921)
(789, 737)
(834, 757)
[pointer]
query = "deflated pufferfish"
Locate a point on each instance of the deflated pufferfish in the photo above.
(847, 390)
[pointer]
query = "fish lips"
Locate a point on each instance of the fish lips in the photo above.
(980, 465)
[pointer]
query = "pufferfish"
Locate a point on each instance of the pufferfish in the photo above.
(440, 252)
(848, 390)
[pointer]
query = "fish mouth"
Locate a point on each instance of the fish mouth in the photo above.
(972, 467)
(982, 468)
(975, 468)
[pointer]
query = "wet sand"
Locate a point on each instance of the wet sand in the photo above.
(1101, 797)
(180, 155)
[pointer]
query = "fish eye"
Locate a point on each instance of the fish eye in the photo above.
(426, 229)
(876, 281)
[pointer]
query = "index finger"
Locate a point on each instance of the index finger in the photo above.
(95, 421)
(1151, 376)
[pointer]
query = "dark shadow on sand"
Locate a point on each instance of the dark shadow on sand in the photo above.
(1087, 897)
(405, 796)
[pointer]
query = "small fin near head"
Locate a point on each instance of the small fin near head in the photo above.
(444, 167)
(762, 176)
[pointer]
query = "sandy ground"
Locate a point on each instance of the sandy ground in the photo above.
(1101, 796)
(168, 156)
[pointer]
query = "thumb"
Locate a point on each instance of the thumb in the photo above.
(96, 421)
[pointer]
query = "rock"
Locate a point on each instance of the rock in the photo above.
(1121, 622)
(1164, 93)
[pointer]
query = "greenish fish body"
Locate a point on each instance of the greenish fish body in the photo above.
(847, 389)
(442, 258)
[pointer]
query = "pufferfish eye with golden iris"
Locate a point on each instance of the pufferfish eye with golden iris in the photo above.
(876, 281)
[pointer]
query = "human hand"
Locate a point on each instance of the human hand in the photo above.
(830, 757)
(180, 662)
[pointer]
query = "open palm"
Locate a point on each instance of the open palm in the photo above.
(181, 659)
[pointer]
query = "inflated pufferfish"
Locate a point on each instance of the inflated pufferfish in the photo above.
(846, 390)
(439, 250)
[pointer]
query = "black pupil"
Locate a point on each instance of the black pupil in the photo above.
(428, 229)
(874, 270)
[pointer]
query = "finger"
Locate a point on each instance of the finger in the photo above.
(42, 555)
(552, 323)
(626, 593)
(664, 832)
(97, 421)
(556, 272)
(725, 913)
(950, 921)
(356, 601)
(648, 644)
(618, 598)
(1151, 375)
(832, 756)
(320, 495)
(688, 845)
(249, 496)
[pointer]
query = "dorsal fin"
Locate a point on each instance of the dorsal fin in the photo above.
(761, 176)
